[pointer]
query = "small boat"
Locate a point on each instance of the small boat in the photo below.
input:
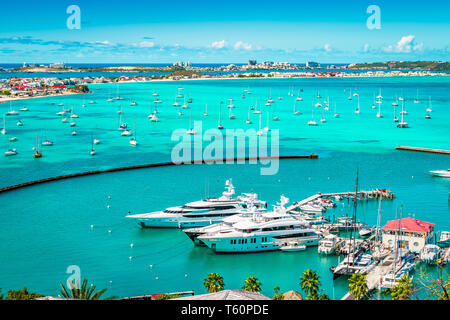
(74, 133)
(126, 133)
(312, 123)
(24, 109)
(133, 103)
(13, 139)
(444, 239)
(328, 244)
(365, 231)
(441, 173)
(430, 253)
(73, 124)
(427, 116)
(92, 102)
(47, 143)
(154, 118)
(19, 123)
(293, 246)
(10, 152)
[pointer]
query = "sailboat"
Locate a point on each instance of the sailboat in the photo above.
(11, 152)
(230, 115)
(429, 105)
(96, 140)
(295, 111)
(350, 95)
(260, 132)
(46, 143)
(184, 106)
(428, 116)
(133, 140)
(323, 120)
(11, 112)
(38, 153)
(191, 130)
(256, 108)
(379, 115)
(92, 147)
(336, 115)
(402, 124)
(248, 121)
(266, 128)
(312, 122)
(416, 100)
(357, 109)
(4, 126)
(354, 262)
(220, 126)
(206, 110)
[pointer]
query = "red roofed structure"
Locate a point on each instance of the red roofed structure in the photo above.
(409, 233)
(409, 224)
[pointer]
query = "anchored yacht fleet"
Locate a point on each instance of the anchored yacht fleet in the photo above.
(265, 232)
(201, 213)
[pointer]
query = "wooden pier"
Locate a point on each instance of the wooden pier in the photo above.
(438, 151)
(372, 194)
(152, 296)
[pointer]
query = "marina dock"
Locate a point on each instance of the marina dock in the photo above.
(438, 151)
(376, 193)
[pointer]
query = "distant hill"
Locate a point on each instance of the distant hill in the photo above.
(414, 65)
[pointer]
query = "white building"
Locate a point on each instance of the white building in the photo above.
(409, 233)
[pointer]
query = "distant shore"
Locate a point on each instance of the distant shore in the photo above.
(9, 98)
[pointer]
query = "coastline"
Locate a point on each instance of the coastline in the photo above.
(27, 98)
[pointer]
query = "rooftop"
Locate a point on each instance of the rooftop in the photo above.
(227, 295)
(409, 224)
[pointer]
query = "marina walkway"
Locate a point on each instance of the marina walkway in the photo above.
(364, 194)
(439, 151)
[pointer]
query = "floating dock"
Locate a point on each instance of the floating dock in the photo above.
(376, 193)
(438, 151)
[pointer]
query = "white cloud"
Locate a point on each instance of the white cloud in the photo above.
(242, 45)
(218, 44)
(327, 47)
(405, 45)
(146, 44)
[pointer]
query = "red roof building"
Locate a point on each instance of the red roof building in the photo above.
(409, 233)
(409, 224)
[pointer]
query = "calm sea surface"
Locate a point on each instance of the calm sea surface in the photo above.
(46, 228)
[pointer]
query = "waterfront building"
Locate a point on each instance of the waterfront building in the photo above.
(312, 64)
(409, 233)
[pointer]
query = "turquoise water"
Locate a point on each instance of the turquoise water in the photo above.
(46, 228)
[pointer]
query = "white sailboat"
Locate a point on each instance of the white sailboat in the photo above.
(266, 128)
(336, 114)
(133, 140)
(206, 110)
(402, 123)
(219, 125)
(191, 130)
(312, 122)
(4, 126)
(260, 132)
(295, 111)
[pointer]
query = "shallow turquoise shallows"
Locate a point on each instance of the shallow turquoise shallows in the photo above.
(46, 228)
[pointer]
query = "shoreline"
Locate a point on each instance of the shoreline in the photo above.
(36, 97)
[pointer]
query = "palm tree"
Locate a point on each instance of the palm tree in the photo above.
(83, 292)
(310, 283)
(403, 289)
(214, 283)
(358, 285)
(278, 295)
(252, 284)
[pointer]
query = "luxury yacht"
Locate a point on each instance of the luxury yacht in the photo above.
(254, 236)
(444, 239)
(196, 214)
(251, 211)
(441, 173)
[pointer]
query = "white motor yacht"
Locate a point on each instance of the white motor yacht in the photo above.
(196, 214)
(430, 253)
(441, 173)
(254, 236)
(328, 245)
(361, 263)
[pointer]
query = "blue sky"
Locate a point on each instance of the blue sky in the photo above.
(224, 31)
